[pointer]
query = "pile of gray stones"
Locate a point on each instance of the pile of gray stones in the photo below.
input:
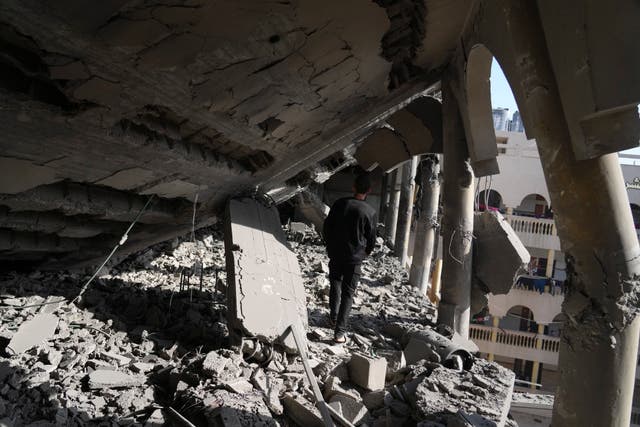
(140, 349)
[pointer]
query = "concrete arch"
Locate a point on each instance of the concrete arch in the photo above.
(533, 204)
(481, 139)
(555, 327)
(544, 306)
(518, 318)
(489, 198)
(412, 131)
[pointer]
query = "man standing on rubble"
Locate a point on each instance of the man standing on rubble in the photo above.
(350, 234)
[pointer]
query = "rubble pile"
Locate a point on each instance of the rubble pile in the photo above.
(139, 349)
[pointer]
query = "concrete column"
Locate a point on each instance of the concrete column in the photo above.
(599, 343)
(457, 223)
(384, 197)
(435, 282)
(427, 225)
(494, 334)
(405, 211)
(391, 220)
(509, 212)
(536, 364)
(551, 257)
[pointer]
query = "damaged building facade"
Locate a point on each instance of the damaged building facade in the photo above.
(192, 102)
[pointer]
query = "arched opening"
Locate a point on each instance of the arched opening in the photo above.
(519, 318)
(533, 205)
(554, 328)
(489, 200)
(635, 211)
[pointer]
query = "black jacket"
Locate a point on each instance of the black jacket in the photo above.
(350, 230)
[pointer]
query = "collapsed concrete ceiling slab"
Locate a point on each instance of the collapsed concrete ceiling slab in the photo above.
(199, 97)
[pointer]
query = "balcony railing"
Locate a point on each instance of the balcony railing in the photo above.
(535, 232)
(516, 344)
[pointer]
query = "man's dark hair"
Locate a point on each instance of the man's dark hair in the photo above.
(362, 183)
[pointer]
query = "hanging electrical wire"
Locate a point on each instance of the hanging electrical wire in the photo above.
(121, 242)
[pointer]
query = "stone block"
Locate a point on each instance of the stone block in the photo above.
(495, 239)
(368, 372)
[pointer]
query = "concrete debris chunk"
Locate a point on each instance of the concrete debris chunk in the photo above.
(266, 290)
(368, 372)
(214, 363)
(113, 379)
(240, 386)
(117, 358)
(127, 336)
(429, 345)
(302, 411)
(33, 332)
(353, 410)
(439, 396)
(142, 367)
(494, 237)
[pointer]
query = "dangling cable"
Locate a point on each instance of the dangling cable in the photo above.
(121, 242)
(193, 219)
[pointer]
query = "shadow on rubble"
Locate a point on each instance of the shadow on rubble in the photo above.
(166, 412)
(175, 325)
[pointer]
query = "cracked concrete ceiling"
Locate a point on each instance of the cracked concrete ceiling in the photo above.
(107, 102)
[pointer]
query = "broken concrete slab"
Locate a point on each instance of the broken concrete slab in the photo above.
(32, 175)
(332, 387)
(239, 385)
(439, 396)
(368, 372)
(266, 292)
(302, 411)
(351, 409)
(113, 379)
(311, 207)
(495, 237)
(33, 332)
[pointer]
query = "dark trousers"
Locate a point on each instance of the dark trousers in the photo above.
(344, 281)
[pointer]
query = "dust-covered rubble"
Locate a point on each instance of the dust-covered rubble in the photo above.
(139, 350)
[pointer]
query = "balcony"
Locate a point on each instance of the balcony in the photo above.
(535, 232)
(545, 306)
(516, 344)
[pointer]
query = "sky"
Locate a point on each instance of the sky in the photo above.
(501, 96)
